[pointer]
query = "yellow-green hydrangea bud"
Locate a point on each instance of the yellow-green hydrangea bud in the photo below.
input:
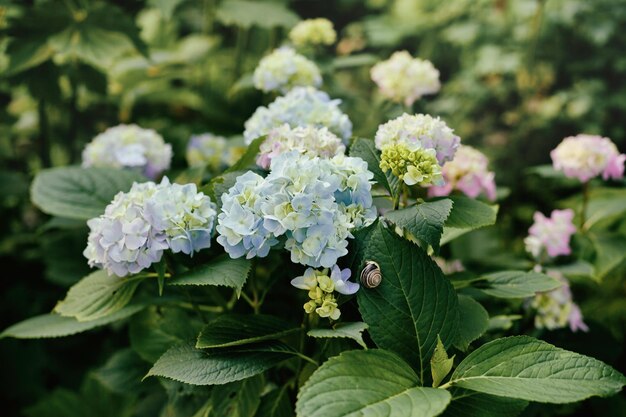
(316, 294)
(325, 283)
(312, 32)
(329, 308)
(412, 165)
(310, 307)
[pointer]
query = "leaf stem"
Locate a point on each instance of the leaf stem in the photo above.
(585, 203)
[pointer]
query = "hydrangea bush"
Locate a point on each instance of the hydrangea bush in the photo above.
(316, 275)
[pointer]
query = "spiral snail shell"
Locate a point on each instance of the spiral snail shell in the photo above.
(371, 275)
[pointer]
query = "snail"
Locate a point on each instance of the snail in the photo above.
(371, 275)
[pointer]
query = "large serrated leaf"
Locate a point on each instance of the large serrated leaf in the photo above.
(97, 295)
(352, 331)
(365, 149)
(423, 221)
(156, 329)
(237, 399)
(276, 403)
(221, 271)
(54, 325)
(530, 369)
(239, 329)
(474, 321)
(467, 214)
(517, 284)
(185, 363)
(368, 383)
(467, 403)
(79, 193)
(413, 304)
(123, 371)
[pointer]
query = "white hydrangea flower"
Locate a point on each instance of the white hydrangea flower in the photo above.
(302, 106)
(587, 156)
(311, 32)
(403, 78)
(307, 140)
(284, 69)
(207, 150)
(314, 203)
(129, 146)
(419, 131)
(139, 225)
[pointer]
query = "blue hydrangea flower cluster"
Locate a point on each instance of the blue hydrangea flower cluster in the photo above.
(138, 226)
(301, 106)
(310, 203)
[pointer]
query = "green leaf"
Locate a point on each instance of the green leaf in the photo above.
(518, 284)
(101, 34)
(530, 369)
(237, 399)
(366, 150)
(423, 221)
(79, 193)
(474, 321)
(97, 295)
(467, 403)
(368, 383)
(610, 253)
(440, 364)
(122, 373)
(276, 403)
(222, 271)
(576, 269)
(264, 14)
(413, 304)
(220, 185)
(354, 61)
(27, 53)
(185, 363)
(249, 157)
(467, 214)
(352, 331)
(156, 329)
(54, 325)
(239, 329)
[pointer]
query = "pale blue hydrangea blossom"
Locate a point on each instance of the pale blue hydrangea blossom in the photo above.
(284, 69)
(240, 223)
(302, 106)
(314, 203)
(129, 146)
(138, 226)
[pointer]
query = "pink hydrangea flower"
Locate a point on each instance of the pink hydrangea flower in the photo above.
(551, 234)
(468, 172)
(587, 156)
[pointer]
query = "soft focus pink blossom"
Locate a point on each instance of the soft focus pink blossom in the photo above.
(587, 156)
(551, 233)
(469, 173)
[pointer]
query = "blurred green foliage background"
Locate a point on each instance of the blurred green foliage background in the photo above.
(517, 75)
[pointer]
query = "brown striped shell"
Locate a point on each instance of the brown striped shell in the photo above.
(371, 275)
